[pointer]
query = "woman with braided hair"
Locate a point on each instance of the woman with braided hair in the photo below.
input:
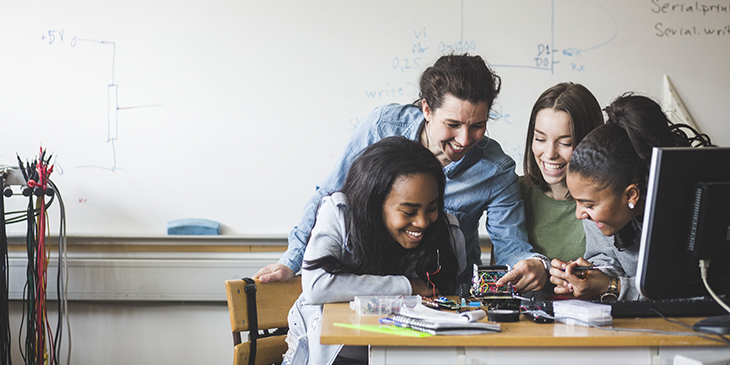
(607, 177)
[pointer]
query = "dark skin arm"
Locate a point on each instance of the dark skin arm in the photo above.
(586, 285)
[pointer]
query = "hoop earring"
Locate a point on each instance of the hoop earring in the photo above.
(631, 205)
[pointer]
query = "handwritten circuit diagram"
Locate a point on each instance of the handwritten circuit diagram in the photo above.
(52, 37)
(544, 57)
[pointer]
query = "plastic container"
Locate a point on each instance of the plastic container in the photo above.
(579, 312)
(383, 305)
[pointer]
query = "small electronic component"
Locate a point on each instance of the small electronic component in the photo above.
(484, 287)
(440, 303)
(484, 282)
(537, 314)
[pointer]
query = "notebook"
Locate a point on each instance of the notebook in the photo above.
(435, 322)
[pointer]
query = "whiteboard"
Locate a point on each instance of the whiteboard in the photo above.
(234, 110)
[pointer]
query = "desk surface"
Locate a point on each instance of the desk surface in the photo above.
(518, 334)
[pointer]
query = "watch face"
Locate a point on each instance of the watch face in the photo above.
(612, 292)
(608, 297)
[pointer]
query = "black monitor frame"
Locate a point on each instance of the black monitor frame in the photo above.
(665, 269)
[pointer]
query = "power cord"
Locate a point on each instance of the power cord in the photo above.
(648, 330)
(704, 265)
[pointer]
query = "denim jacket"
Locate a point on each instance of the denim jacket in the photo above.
(483, 180)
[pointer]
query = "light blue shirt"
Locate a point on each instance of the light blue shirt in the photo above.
(483, 180)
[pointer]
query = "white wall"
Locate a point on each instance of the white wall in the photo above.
(113, 332)
(142, 307)
(234, 110)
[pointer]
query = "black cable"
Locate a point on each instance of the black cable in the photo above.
(22, 215)
(20, 331)
(648, 330)
(31, 346)
(723, 338)
(34, 317)
(59, 276)
(5, 335)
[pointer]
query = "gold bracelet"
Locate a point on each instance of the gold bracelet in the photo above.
(611, 293)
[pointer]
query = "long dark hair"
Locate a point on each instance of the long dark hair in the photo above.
(375, 251)
(618, 153)
(585, 115)
(463, 76)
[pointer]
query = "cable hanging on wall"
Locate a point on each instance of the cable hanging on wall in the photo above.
(4, 282)
(41, 346)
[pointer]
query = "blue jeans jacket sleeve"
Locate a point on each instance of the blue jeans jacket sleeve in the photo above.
(365, 134)
(506, 219)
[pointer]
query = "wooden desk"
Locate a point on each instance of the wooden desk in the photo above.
(522, 342)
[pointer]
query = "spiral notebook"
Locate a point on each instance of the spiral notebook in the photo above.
(436, 327)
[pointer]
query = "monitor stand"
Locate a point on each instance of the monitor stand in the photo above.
(718, 325)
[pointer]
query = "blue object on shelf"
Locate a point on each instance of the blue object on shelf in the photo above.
(193, 227)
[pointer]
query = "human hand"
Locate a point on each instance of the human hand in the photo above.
(274, 272)
(557, 272)
(526, 275)
(582, 285)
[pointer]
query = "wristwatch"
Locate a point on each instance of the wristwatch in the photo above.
(545, 262)
(612, 291)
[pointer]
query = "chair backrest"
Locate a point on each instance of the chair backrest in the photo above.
(272, 304)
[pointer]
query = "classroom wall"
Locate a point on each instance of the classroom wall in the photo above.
(140, 333)
(233, 110)
(141, 308)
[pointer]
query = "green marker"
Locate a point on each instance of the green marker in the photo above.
(391, 330)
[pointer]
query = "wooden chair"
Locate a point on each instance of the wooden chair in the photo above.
(270, 311)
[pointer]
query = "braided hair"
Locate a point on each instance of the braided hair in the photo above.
(618, 153)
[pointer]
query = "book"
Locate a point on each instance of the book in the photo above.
(436, 327)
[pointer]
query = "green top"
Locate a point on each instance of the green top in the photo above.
(552, 227)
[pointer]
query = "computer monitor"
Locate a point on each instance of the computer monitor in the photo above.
(666, 268)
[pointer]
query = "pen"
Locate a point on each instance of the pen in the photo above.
(582, 271)
(592, 267)
(586, 268)
(391, 322)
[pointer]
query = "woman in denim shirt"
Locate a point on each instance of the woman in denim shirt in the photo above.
(450, 118)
